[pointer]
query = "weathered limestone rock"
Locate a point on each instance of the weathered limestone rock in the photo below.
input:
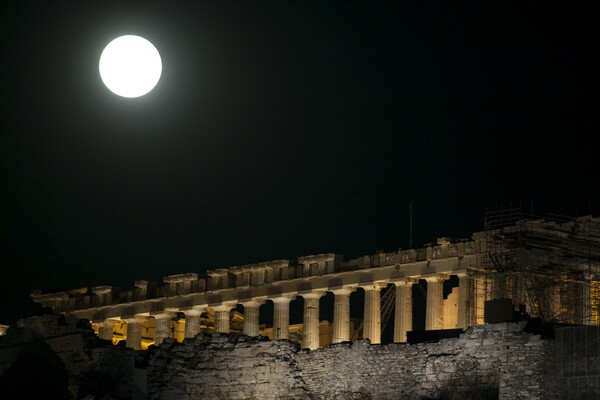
(488, 362)
(497, 361)
(226, 367)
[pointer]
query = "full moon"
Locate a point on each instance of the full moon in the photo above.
(130, 66)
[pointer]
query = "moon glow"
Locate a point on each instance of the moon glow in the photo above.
(130, 66)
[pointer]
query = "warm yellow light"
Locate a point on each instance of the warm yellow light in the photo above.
(594, 302)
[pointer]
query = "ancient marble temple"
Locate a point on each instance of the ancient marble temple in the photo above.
(189, 303)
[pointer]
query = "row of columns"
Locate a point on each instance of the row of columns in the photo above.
(341, 314)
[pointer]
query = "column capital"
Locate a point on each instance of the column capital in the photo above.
(226, 306)
(134, 318)
(282, 299)
(343, 290)
(374, 286)
(107, 322)
(255, 302)
(314, 294)
(461, 274)
(192, 312)
(405, 282)
(163, 315)
(435, 278)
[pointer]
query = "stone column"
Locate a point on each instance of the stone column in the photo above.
(134, 333)
(310, 339)
(223, 318)
(517, 296)
(192, 322)
(586, 309)
(435, 298)
(480, 293)
(341, 315)
(553, 302)
(163, 327)
(463, 299)
(105, 329)
(403, 310)
(141, 291)
(104, 294)
(251, 326)
(372, 318)
(281, 317)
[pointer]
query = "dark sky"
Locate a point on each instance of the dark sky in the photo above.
(283, 129)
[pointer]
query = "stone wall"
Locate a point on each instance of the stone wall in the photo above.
(52, 355)
(487, 362)
(226, 367)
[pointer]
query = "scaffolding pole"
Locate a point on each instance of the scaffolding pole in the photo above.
(549, 267)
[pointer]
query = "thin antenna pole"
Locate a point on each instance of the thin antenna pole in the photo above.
(410, 225)
(531, 208)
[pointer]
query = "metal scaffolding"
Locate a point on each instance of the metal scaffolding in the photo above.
(549, 267)
(388, 299)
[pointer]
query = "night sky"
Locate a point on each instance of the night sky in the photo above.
(283, 129)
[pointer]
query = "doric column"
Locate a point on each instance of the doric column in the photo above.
(403, 310)
(310, 338)
(435, 298)
(105, 329)
(163, 327)
(281, 317)
(586, 301)
(372, 318)
(251, 308)
(104, 294)
(480, 295)
(223, 317)
(134, 332)
(141, 290)
(553, 295)
(341, 315)
(180, 283)
(463, 299)
(192, 322)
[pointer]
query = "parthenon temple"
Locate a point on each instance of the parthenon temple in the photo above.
(542, 267)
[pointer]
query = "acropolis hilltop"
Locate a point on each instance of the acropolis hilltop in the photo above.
(545, 268)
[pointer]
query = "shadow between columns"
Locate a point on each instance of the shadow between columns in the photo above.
(419, 300)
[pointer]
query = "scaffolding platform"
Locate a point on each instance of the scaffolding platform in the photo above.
(549, 266)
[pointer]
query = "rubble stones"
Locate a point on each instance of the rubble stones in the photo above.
(486, 362)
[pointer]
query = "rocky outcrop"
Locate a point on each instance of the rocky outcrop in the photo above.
(53, 356)
(498, 361)
(226, 367)
(489, 362)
